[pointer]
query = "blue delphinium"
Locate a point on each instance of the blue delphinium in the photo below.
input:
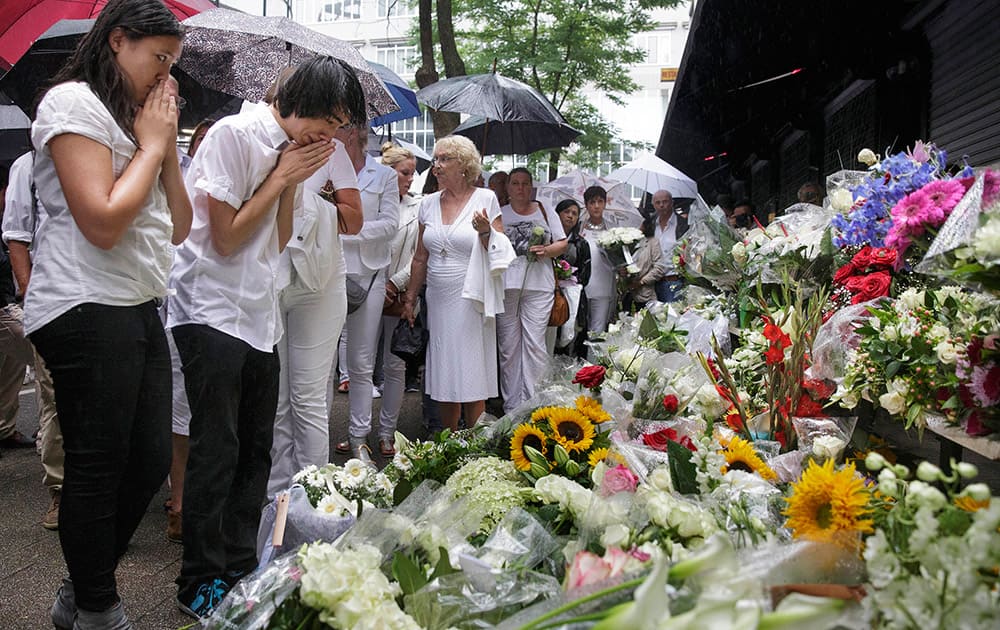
(868, 221)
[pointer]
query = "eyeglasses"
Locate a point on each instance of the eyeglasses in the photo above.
(439, 159)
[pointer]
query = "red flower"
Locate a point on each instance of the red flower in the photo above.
(863, 258)
(808, 408)
(845, 272)
(883, 257)
(774, 355)
(670, 403)
(590, 377)
(775, 335)
(869, 287)
(658, 440)
(715, 370)
(734, 420)
(818, 388)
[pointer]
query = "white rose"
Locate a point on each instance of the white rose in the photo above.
(842, 200)
(911, 299)
(986, 241)
(739, 253)
(867, 157)
(659, 478)
(947, 352)
(890, 333)
(615, 536)
(893, 402)
(828, 447)
(938, 331)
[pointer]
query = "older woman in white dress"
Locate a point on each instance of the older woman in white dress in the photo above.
(461, 368)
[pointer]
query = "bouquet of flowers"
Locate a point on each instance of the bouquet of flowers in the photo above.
(705, 253)
(796, 245)
(436, 459)
(921, 213)
(539, 236)
(617, 243)
(340, 490)
(565, 272)
(932, 561)
(867, 276)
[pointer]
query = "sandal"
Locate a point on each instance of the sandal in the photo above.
(386, 448)
(343, 447)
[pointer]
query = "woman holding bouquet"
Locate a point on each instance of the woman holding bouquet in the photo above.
(569, 338)
(602, 296)
(649, 260)
(461, 351)
(529, 284)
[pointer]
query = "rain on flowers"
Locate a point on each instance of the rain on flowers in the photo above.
(561, 440)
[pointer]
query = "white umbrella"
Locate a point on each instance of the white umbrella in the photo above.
(651, 174)
(573, 184)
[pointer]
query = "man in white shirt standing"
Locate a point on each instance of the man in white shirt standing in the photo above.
(668, 289)
(225, 316)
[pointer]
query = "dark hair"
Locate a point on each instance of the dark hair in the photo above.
(93, 61)
(319, 88)
(204, 125)
(594, 192)
(743, 220)
(520, 169)
(566, 203)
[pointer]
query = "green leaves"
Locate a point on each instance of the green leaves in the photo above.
(682, 469)
(412, 577)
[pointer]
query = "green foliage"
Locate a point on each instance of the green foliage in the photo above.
(683, 471)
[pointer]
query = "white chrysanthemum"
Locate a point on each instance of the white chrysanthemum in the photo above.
(355, 473)
(402, 462)
(304, 473)
(986, 242)
(331, 506)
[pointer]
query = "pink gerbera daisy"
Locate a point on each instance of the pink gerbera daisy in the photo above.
(910, 214)
(944, 195)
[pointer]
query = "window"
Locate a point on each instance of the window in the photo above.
(396, 8)
(419, 131)
(330, 10)
(397, 57)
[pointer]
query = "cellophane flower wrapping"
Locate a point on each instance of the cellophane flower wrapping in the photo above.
(834, 341)
(304, 524)
(707, 249)
(967, 247)
(796, 245)
(253, 600)
(824, 438)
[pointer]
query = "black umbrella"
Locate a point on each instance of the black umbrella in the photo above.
(241, 54)
(491, 96)
(31, 75)
(519, 137)
(14, 131)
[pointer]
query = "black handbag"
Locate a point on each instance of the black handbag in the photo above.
(357, 294)
(409, 343)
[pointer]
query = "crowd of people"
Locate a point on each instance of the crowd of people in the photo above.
(183, 309)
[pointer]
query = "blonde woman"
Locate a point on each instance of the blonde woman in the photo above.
(462, 351)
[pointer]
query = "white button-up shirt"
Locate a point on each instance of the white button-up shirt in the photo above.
(67, 269)
(369, 250)
(668, 242)
(22, 217)
(235, 294)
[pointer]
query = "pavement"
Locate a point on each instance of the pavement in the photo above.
(31, 562)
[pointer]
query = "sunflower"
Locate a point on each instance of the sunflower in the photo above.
(971, 505)
(541, 415)
(592, 409)
(827, 504)
(526, 435)
(571, 429)
(597, 456)
(740, 455)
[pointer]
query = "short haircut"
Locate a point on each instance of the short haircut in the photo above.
(320, 88)
(594, 192)
(566, 203)
(462, 149)
(520, 169)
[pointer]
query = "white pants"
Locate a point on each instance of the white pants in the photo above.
(393, 382)
(363, 327)
(521, 336)
(600, 312)
(301, 426)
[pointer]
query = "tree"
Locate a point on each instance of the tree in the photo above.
(560, 47)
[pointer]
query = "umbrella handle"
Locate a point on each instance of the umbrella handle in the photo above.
(288, 47)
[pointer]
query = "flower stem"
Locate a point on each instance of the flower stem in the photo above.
(536, 624)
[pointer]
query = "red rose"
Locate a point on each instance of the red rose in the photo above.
(863, 258)
(658, 440)
(884, 257)
(845, 272)
(590, 377)
(873, 285)
(808, 408)
(670, 403)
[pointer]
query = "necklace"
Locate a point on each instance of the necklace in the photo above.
(591, 226)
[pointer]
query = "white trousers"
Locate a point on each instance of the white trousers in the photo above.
(313, 321)
(600, 312)
(393, 382)
(363, 327)
(521, 336)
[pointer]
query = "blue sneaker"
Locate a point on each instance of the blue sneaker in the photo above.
(201, 598)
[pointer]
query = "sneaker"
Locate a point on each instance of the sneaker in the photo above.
(63, 612)
(344, 387)
(376, 392)
(51, 519)
(111, 619)
(199, 599)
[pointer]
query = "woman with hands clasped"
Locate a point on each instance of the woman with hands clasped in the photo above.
(461, 352)
(106, 171)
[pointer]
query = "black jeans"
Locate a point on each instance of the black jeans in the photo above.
(110, 368)
(233, 393)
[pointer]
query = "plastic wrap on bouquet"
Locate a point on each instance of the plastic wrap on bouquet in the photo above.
(304, 524)
(834, 340)
(707, 248)
(824, 438)
(252, 602)
(700, 332)
(519, 540)
(793, 245)
(967, 247)
(801, 562)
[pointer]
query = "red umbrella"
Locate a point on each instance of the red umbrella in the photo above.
(23, 21)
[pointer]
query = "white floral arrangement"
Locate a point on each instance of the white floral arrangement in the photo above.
(336, 491)
(617, 242)
(492, 487)
(349, 590)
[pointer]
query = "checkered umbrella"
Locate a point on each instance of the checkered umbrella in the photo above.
(241, 55)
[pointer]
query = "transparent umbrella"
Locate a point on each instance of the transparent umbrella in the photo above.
(573, 184)
(651, 174)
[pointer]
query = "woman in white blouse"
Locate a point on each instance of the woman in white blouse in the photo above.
(107, 173)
